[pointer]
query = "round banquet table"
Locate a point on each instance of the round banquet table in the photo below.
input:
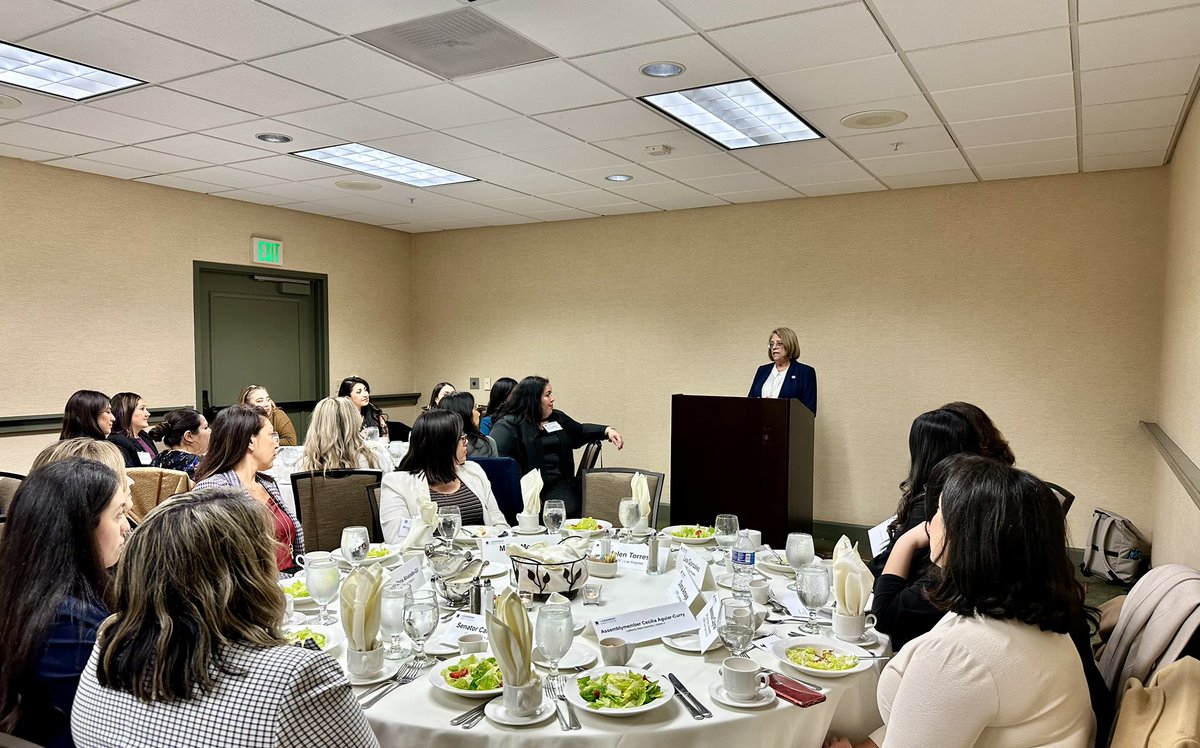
(419, 714)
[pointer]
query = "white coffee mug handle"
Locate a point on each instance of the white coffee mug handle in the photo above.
(764, 680)
(300, 560)
(870, 622)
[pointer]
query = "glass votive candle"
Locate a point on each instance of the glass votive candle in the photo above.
(591, 594)
(526, 599)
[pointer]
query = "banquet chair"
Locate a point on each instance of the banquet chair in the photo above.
(373, 493)
(331, 500)
(591, 453)
(1065, 497)
(9, 483)
(153, 486)
(505, 477)
(603, 489)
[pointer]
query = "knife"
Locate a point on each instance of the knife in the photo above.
(702, 710)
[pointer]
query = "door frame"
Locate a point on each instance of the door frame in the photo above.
(320, 285)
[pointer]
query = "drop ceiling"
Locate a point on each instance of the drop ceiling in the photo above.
(992, 89)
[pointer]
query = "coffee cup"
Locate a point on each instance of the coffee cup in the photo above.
(743, 678)
(851, 628)
(472, 644)
(615, 651)
(527, 522)
(760, 591)
(365, 664)
(755, 537)
(522, 701)
(304, 560)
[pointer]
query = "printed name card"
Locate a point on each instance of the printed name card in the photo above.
(695, 565)
(683, 590)
(878, 535)
(764, 642)
(462, 624)
(494, 549)
(636, 555)
(709, 619)
(646, 625)
(410, 573)
(405, 526)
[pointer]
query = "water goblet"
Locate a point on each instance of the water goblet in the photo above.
(391, 617)
(813, 582)
(630, 513)
(799, 553)
(727, 532)
(553, 515)
(420, 619)
(356, 542)
(449, 521)
(323, 580)
(737, 625)
(554, 633)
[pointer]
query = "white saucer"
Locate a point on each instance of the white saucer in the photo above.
(869, 638)
(436, 648)
(390, 668)
(766, 695)
(495, 711)
(689, 643)
(579, 655)
(535, 531)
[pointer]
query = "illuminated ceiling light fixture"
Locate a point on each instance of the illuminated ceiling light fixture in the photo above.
(377, 163)
(740, 114)
(47, 74)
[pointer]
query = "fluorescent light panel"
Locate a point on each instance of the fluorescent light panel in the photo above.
(377, 163)
(46, 74)
(739, 114)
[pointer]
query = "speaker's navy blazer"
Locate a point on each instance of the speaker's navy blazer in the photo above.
(800, 382)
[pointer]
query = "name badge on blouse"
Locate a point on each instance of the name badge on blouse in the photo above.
(145, 458)
(552, 426)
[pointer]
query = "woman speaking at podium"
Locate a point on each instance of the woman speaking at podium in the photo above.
(785, 377)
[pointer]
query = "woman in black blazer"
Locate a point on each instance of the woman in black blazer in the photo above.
(129, 432)
(533, 433)
(785, 377)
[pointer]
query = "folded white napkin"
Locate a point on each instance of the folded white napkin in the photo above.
(511, 638)
(531, 491)
(641, 494)
(571, 549)
(852, 580)
(361, 596)
(421, 531)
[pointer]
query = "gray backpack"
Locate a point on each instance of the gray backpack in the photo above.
(1116, 550)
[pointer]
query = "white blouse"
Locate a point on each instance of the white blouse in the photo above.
(774, 383)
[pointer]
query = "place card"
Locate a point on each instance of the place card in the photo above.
(462, 624)
(494, 549)
(878, 535)
(697, 568)
(409, 573)
(648, 624)
(709, 619)
(683, 590)
(636, 555)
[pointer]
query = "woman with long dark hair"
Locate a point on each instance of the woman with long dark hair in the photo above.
(463, 403)
(497, 398)
(440, 390)
(130, 429)
(65, 529)
(992, 443)
(186, 433)
(359, 392)
(87, 413)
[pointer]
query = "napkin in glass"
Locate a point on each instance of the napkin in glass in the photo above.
(361, 597)
(510, 637)
(641, 494)
(852, 580)
(421, 531)
(531, 491)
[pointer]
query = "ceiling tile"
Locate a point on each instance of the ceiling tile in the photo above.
(21, 18)
(43, 139)
(1123, 161)
(852, 82)
(370, 218)
(27, 154)
(249, 196)
(98, 167)
(430, 147)
(510, 219)
(928, 23)
(1143, 80)
(1036, 169)
(206, 148)
(792, 155)
(929, 179)
(83, 120)
(1030, 151)
(586, 199)
(396, 194)
(880, 144)
(469, 210)
(168, 107)
(711, 14)
(442, 225)
(819, 37)
(678, 197)
(1008, 58)
(750, 181)
(1058, 123)
(620, 119)
(305, 191)
(576, 27)
(151, 162)
(843, 171)
(351, 122)
(1132, 115)
(493, 168)
(32, 104)
(842, 188)
(703, 65)
(758, 196)
(1130, 141)
(255, 91)
(319, 208)
(1158, 36)
(525, 205)
(362, 15)
(828, 121)
(621, 209)
(477, 192)
(542, 184)
(512, 135)
(244, 133)
(573, 156)
(596, 177)
(348, 69)
(541, 87)
(696, 167)
(114, 46)
(229, 177)
(1006, 99)
(915, 163)
(682, 143)
(440, 107)
(1095, 10)
(240, 29)
(561, 214)
(180, 183)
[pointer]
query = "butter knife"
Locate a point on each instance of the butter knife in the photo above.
(700, 711)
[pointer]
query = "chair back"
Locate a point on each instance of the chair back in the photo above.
(9, 483)
(373, 493)
(328, 501)
(505, 477)
(591, 453)
(153, 486)
(603, 489)
(1065, 497)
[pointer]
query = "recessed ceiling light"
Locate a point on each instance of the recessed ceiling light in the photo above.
(43, 73)
(618, 177)
(8, 102)
(873, 119)
(377, 163)
(358, 185)
(662, 69)
(274, 137)
(739, 114)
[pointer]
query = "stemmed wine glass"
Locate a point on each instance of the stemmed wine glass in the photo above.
(554, 633)
(553, 515)
(420, 619)
(800, 553)
(449, 521)
(356, 542)
(323, 579)
(391, 617)
(737, 625)
(630, 513)
(727, 532)
(813, 582)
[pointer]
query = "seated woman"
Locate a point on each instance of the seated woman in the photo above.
(257, 396)
(498, 396)
(436, 469)
(359, 392)
(186, 434)
(241, 447)
(463, 403)
(87, 413)
(193, 654)
(999, 668)
(129, 430)
(536, 435)
(992, 443)
(440, 390)
(334, 440)
(65, 529)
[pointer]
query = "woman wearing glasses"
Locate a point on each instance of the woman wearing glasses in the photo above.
(785, 377)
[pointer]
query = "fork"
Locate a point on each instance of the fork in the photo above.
(408, 675)
(558, 694)
(548, 691)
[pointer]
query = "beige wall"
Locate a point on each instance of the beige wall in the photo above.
(1176, 518)
(1037, 299)
(97, 289)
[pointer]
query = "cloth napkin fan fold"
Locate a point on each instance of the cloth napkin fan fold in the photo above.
(510, 636)
(531, 491)
(361, 596)
(852, 580)
(571, 549)
(421, 531)
(641, 494)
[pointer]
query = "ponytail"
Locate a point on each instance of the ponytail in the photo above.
(174, 425)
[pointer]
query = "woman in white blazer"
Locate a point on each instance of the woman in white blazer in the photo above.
(435, 469)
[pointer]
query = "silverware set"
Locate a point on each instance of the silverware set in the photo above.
(553, 689)
(690, 702)
(403, 676)
(472, 717)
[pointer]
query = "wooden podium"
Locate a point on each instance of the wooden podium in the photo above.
(745, 456)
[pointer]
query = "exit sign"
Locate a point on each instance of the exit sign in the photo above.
(266, 251)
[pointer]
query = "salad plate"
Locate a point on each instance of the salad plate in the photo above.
(495, 711)
(390, 668)
(333, 637)
(479, 665)
(299, 592)
(690, 534)
(587, 531)
(619, 677)
(472, 533)
(379, 554)
(579, 655)
(828, 658)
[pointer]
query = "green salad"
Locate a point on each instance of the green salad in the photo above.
(694, 531)
(618, 690)
(821, 659)
(379, 552)
(296, 589)
(298, 637)
(473, 674)
(587, 523)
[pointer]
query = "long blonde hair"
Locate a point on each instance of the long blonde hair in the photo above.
(105, 453)
(198, 575)
(334, 440)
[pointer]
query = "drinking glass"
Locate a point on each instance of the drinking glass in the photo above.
(370, 434)
(323, 580)
(800, 553)
(737, 625)
(355, 544)
(813, 582)
(630, 513)
(391, 617)
(449, 521)
(554, 632)
(727, 532)
(554, 514)
(420, 619)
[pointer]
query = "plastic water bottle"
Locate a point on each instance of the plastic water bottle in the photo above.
(743, 565)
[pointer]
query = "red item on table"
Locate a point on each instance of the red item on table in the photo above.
(796, 693)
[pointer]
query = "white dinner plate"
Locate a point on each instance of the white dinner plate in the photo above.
(495, 569)
(390, 668)
(435, 678)
(571, 687)
(581, 654)
(393, 556)
(472, 533)
(780, 649)
(535, 531)
(669, 533)
(437, 648)
(605, 526)
(774, 567)
(335, 637)
(689, 643)
(495, 711)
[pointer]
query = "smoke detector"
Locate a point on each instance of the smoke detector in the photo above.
(658, 150)
(873, 119)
